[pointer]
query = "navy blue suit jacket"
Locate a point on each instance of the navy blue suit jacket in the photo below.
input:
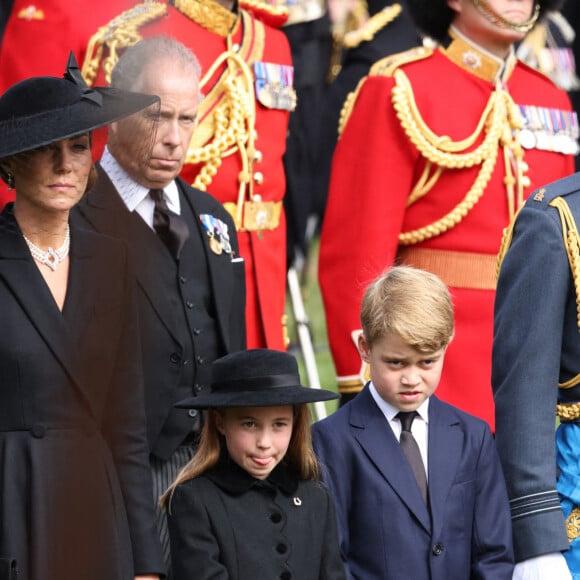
(386, 531)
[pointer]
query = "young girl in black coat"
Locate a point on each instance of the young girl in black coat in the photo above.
(249, 504)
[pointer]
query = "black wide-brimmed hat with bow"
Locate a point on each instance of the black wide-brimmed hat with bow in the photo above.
(256, 378)
(42, 110)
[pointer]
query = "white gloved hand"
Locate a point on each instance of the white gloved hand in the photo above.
(546, 567)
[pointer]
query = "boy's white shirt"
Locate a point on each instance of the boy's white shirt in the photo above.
(419, 428)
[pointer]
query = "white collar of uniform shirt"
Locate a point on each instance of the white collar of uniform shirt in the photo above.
(418, 428)
(134, 195)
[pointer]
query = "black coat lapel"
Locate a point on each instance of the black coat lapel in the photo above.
(104, 211)
(221, 278)
(22, 277)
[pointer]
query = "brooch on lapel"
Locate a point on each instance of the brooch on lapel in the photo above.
(297, 501)
(217, 232)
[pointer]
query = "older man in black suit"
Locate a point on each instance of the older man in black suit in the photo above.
(182, 245)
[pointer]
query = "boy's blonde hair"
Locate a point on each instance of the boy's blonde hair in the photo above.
(413, 304)
(299, 457)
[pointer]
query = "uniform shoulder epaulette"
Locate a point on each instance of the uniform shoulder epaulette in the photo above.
(388, 65)
(274, 16)
(384, 67)
(372, 26)
(561, 188)
(549, 196)
(119, 33)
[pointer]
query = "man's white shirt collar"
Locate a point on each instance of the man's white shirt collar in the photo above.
(390, 412)
(134, 195)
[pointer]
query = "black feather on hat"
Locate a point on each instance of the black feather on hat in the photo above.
(42, 110)
(434, 17)
(256, 378)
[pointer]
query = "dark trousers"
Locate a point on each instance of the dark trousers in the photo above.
(164, 474)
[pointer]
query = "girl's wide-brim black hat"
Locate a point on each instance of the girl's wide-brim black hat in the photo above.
(256, 378)
(42, 110)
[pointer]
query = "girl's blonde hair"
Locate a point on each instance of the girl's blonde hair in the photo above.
(299, 457)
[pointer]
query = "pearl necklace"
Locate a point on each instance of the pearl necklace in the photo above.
(52, 258)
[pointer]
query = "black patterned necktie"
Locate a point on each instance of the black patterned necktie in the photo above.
(170, 227)
(411, 451)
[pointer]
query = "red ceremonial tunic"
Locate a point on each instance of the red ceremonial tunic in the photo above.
(376, 167)
(39, 36)
(264, 251)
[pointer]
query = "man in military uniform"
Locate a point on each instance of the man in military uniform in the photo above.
(439, 150)
(237, 148)
(536, 375)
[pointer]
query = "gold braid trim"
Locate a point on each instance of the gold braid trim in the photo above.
(373, 25)
(572, 243)
(568, 411)
(570, 382)
(234, 120)
(279, 10)
(425, 183)
(506, 242)
(385, 67)
(500, 119)
(119, 33)
(347, 107)
(208, 14)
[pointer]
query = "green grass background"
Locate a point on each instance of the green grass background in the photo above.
(315, 314)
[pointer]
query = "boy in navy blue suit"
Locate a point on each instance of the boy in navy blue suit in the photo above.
(434, 506)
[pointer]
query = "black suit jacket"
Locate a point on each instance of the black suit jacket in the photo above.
(103, 210)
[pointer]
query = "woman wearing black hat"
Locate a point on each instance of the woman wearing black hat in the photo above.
(248, 505)
(75, 491)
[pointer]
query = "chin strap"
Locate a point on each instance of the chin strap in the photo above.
(485, 8)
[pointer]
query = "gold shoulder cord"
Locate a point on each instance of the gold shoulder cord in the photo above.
(506, 242)
(347, 107)
(572, 243)
(570, 411)
(275, 10)
(383, 67)
(121, 32)
(500, 121)
(234, 121)
(369, 29)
